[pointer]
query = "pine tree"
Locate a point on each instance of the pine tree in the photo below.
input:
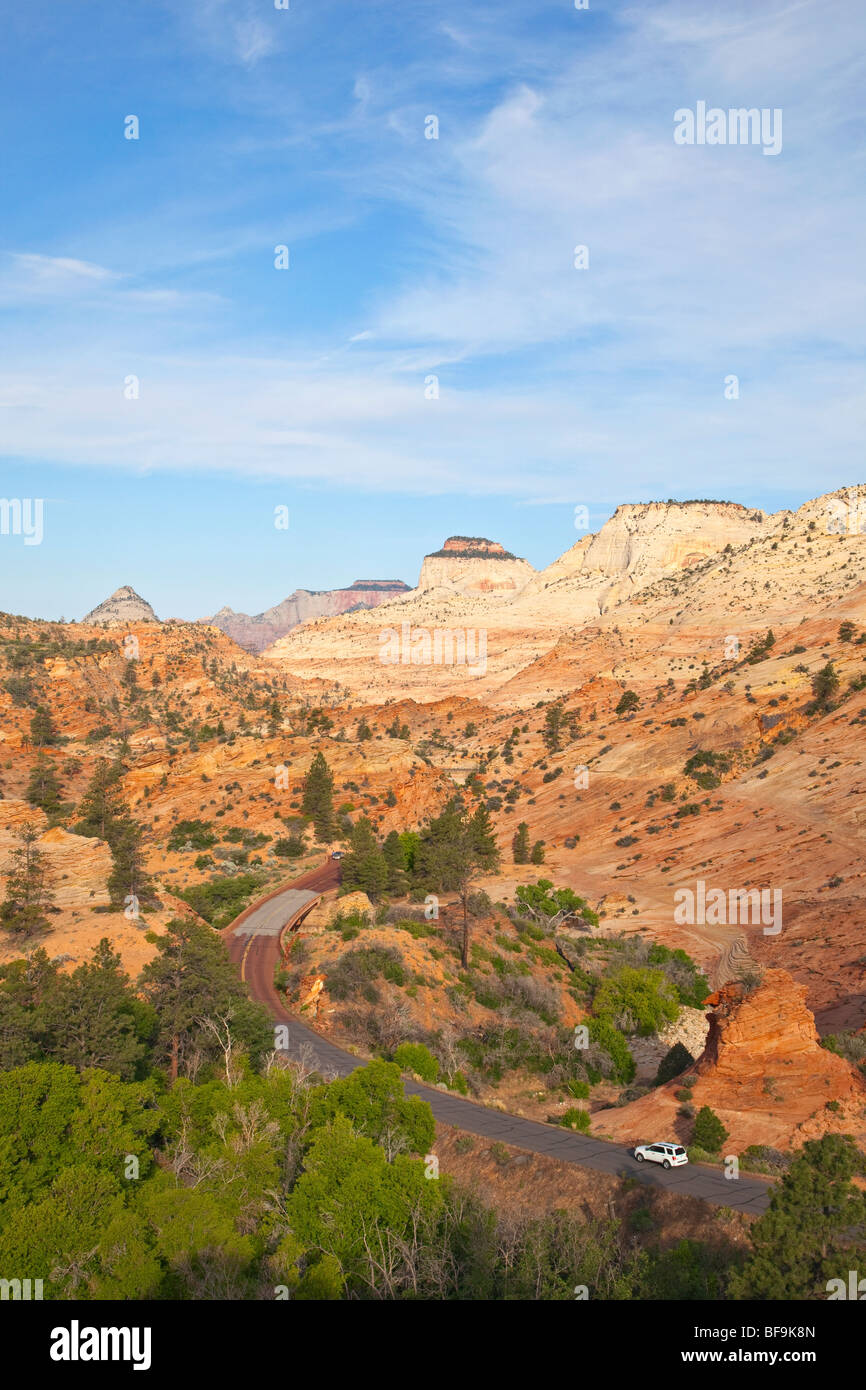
(520, 844)
(318, 799)
(129, 680)
(42, 731)
(454, 852)
(709, 1132)
(102, 808)
(44, 789)
(394, 852)
(129, 878)
(553, 728)
(364, 867)
(483, 838)
(629, 701)
(28, 897)
(825, 683)
(437, 856)
(536, 855)
(92, 1015)
(805, 1238)
(25, 988)
(190, 980)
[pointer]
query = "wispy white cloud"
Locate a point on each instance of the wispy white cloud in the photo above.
(553, 381)
(238, 31)
(55, 272)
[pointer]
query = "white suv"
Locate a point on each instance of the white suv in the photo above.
(668, 1155)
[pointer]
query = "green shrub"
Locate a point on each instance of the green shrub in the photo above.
(673, 1063)
(197, 833)
(289, 847)
(709, 1133)
(221, 901)
(355, 972)
(576, 1118)
(415, 1057)
(603, 1032)
(644, 998)
(641, 1220)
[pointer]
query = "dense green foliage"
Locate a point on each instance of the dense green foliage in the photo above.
(815, 1228)
(196, 834)
(416, 1058)
(543, 903)
(219, 901)
(265, 1187)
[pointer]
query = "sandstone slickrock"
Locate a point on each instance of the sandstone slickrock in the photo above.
(468, 586)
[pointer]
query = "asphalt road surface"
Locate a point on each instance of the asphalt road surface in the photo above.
(253, 945)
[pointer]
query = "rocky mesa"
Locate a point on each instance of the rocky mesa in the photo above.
(474, 565)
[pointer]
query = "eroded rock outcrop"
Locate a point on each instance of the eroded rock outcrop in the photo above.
(764, 1073)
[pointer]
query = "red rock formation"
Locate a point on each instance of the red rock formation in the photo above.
(763, 1072)
(469, 546)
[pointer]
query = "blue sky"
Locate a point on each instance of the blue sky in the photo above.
(411, 258)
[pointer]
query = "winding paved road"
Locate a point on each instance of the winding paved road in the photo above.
(253, 941)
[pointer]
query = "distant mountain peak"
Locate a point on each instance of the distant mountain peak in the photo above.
(124, 606)
(256, 631)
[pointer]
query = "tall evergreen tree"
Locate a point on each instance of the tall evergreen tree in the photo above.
(25, 986)
(364, 867)
(520, 844)
(454, 852)
(825, 683)
(483, 837)
(42, 731)
(102, 806)
(44, 789)
(92, 1017)
(394, 852)
(190, 980)
(554, 721)
(128, 877)
(318, 799)
(28, 896)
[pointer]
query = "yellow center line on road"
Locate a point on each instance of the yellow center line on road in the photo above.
(244, 957)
